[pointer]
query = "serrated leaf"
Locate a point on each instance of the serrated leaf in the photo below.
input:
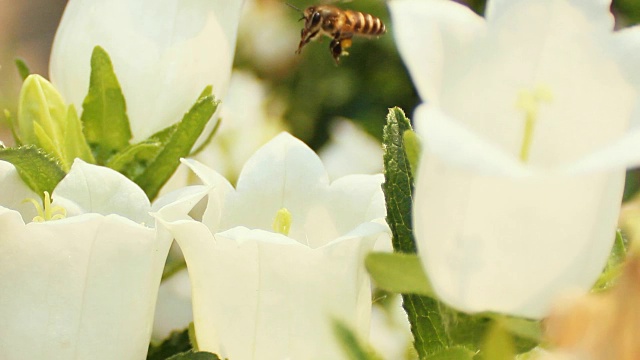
(427, 325)
(453, 353)
(412, 148)
(398, 185)
(122, 160)
(23, 69)
(104, 115)
(190, 355)
(399, 273)
(354, 348)
(177, 146)
(176, 343)
(75, 145)
(39, 170)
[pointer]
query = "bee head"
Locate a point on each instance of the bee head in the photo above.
(312, 18)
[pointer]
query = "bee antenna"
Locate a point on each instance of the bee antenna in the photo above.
(295, 8)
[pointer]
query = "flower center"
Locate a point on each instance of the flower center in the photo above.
(282, 222)
(46, 212)
(529, 101)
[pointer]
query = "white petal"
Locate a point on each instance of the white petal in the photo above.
(83, 287)
(627, 49)
(597, 11)
(508, 244)
(173, 309)
(356, 199)
(279, 297)
(98, 189)
(430, 35)
(621, 154)
(15, 192)
(459, 147)
(285, 173)
(164, 53)
(350, 150)
(551, 44)
(220, 188)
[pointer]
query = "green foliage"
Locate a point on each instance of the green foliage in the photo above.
(398, 185)
(177, 343)
(39, 170)
(106, 125)
(178, 141)
(23, 69)
(498, 344)
(427, 325)
(190, 355)
(614, 264)
(353, 347)
(398, 273)
(452, 353)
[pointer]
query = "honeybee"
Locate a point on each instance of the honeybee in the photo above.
(340, 25)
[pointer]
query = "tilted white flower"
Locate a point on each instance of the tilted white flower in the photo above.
(525, 124)
(276, 259)
(83, 286)
(164, 53)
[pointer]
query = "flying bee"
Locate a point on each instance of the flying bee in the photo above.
(340, 25)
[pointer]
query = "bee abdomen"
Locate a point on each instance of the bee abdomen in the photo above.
(365, 24)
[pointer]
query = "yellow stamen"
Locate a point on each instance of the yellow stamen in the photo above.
(282, 222)
(529, 102)
(46, 212)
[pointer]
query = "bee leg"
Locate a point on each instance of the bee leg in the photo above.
(336, 50)
(338, 47)
(305, 38)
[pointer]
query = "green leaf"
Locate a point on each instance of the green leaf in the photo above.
(452, 353)
(398, 185)
(106, 125)
(427, 325)
(39, 170)
(412, 148)
(129, 155)
(190, 355)
(23, 69)
(176, 343)
(177, 146)
(353, 347)
(498, 344)
(614, 264)
(75, 145)
(399, 273)
(207, 141)
(523, 329)
(191, 330)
